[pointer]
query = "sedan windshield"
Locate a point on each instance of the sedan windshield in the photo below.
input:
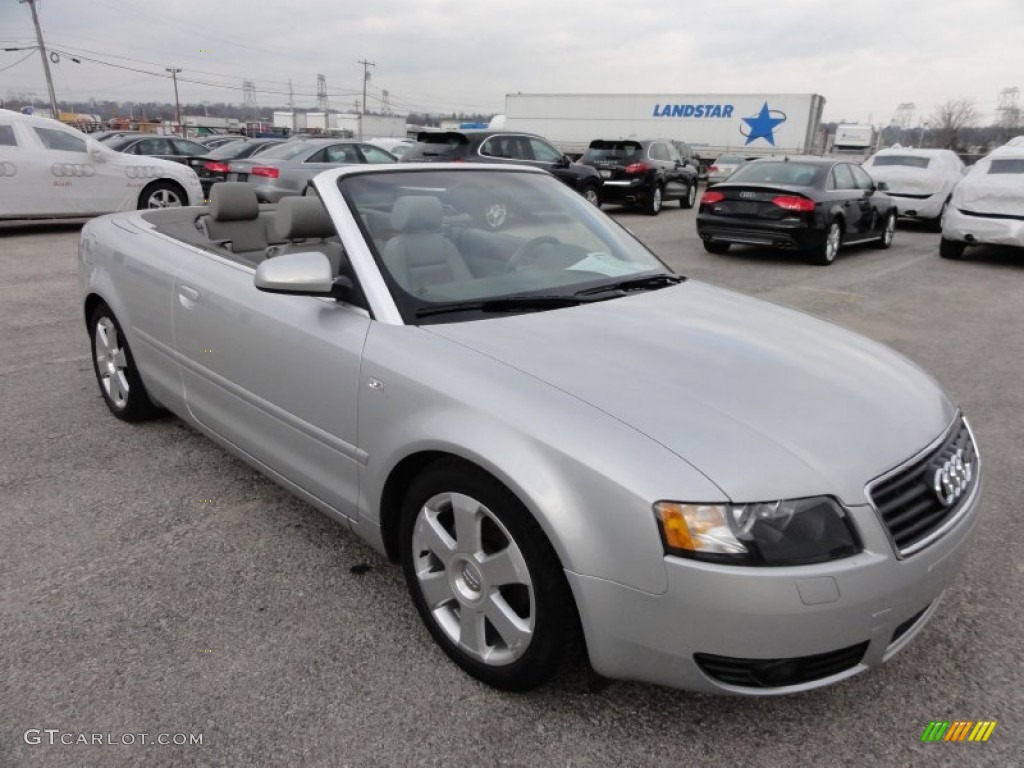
(458, 243)
(238, 149)
(289, 149)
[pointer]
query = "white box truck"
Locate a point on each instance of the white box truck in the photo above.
(750, 124)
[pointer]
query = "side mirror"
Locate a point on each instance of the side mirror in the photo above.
(882, 186)
(301, 274)
(563, 162)
(95, 150)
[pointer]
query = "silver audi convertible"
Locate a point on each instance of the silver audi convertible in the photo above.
(567, 447)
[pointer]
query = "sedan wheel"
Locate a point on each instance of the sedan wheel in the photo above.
(591, 195)
(888, 231)
(115, 369)
(825, 253)
(161, 194)
(484, 578)
(951, 249)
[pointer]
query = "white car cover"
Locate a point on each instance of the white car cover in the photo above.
(988, 204)
(920, 180)
(48, 169)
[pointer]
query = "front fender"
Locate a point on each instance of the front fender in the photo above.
(588, 479)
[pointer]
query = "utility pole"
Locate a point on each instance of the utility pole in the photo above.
(46, 61)
(366, 79)
(291, 103)
(177, 105)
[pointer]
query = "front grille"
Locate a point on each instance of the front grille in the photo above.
(907, 499)
(777, 673)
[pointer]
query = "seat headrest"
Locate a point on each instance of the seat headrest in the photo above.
(299, 218)
(233, 201)
(414, 213)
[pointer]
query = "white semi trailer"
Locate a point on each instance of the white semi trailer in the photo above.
(749, 124)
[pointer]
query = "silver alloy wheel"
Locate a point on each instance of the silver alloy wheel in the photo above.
(495, 215)
(590, 195)
(656, 199)
(832, 242)
(111, 362)
(163, 197)
(890, 230)
(473, 579)
(691, 195)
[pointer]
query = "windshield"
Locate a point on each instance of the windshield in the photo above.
(611, 150)
(911, 161)
(439, 145)
(791, 174)
(1007, 165)
(462, 236)
(235, 149)
(729, 160)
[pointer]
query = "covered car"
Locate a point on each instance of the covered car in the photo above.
(921, 181)
(51, 170)
(987, 207)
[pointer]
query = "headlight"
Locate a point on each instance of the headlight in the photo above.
(788, 532)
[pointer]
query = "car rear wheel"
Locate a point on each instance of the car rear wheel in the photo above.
(716, 246)
(162, 194)
(888, 231)
(484, 578)
(951, 249)
(116, 373)
(691, 196)
(825, 253)
(653, 204)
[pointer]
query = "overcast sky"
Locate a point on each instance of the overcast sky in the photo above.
(864, 57)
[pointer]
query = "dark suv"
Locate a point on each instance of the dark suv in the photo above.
(642, 172)
(484, 146)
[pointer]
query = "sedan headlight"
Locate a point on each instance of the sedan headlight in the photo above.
(788, 532)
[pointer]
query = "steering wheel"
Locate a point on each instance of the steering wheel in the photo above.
(516, 259)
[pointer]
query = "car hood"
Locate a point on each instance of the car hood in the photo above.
(767, 402)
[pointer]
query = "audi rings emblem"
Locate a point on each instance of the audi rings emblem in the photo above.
(72, 169)
(8, 169)
(952, 478)
(141, 172)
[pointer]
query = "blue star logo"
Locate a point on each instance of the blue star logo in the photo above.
(762, 125)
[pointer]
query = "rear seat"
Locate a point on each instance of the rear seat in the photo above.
(304, 224)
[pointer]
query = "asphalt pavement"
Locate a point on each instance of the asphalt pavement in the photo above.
(152, 584)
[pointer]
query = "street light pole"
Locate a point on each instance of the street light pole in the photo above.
(46, 61)
(177, 105)
(366, 79)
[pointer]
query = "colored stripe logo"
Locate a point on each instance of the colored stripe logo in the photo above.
(958, 730)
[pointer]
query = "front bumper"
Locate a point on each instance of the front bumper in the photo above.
(790, 234)
(982, 230)
(870, 605)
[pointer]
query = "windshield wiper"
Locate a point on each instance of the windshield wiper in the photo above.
(506, 304)
(635, 283)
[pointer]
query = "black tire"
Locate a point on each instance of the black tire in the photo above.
(824, 253)
(716, 246)
(546, 600)
(162, 194)
(951, 249)
(116, 373)
(592, 194)
(690, 199)
(888, 232)
(652, 205)
(935, 225)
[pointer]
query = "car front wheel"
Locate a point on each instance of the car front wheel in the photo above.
(162, 194)
(691, 196)
(888, 231)
(116, 373)
(825, 252)
(592, 195)
(484, 578)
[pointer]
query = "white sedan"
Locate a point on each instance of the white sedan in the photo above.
(49, 170)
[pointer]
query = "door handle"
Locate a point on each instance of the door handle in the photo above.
(187, 296)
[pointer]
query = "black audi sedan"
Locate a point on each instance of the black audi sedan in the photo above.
(514, 147)
(215, 165)
(810, 205)
(643, 173)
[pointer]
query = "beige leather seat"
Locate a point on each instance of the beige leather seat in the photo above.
(420, 256)
(304, 225)
(234, 216)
